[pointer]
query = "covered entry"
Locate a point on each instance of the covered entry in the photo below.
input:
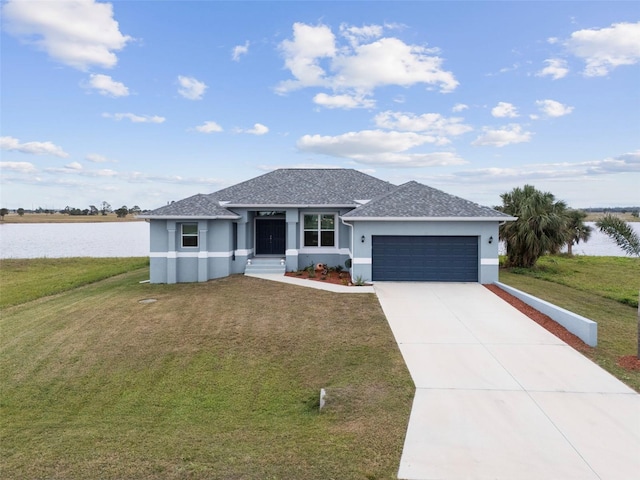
(425, 258)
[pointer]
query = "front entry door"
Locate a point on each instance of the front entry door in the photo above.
(270, 236)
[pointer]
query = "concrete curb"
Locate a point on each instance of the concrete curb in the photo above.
(582, 327)
(329, 287)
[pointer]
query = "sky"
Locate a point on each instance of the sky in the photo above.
(146, 102)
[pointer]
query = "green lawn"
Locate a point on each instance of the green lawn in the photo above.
(22, 280)
(604, 289)
(213, 380)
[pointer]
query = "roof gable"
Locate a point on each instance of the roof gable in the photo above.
(196, 206)
(415, 200)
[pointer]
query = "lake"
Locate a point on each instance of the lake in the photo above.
(58, 240)
(131, 239)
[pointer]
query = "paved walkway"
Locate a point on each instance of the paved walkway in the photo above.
(499, 397)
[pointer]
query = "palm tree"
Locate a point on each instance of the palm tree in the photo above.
(576, 229)
(621, 232)
(540, 228)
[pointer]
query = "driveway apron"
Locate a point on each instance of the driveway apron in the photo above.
(499, 397)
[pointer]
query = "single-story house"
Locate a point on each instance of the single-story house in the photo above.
(289, 219)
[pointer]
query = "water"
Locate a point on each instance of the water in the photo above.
(599, 244)
(58, 240)
(131, 239)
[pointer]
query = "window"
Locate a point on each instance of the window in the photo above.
(319, 230)
(190, 235)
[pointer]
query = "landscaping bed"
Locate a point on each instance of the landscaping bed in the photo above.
(328, 275)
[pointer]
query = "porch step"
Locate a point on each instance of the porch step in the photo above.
(261, 266)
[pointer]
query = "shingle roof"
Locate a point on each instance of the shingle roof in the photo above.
(196, 206)
(329, 187)
(415, 200)
(305, 187)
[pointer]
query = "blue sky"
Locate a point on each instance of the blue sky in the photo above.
(144, 102)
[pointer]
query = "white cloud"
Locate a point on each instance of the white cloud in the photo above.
(73, 166)
(551, 108)
(606, 48)
(503, 136)
(135, 118)
(458, 107)
(78, 33)
(377, 147)
(625, 163)
(240, 50)
(20, 167)
(35, 148)
(556, 68)
(344, 101)
(504, 109)
(107, 86)
(209, 127)
(356, 35)
(303, 53)
(316, 59)
(258, 129)
(96, 158)
(191, 88)
(427, 123)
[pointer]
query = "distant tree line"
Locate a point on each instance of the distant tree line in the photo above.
(105, 209)
(634, 211)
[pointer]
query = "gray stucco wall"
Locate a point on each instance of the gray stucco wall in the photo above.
(170, 262)
(487, 254)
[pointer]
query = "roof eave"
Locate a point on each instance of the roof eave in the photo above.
(431, 219)
(270, 206)
(189, 217)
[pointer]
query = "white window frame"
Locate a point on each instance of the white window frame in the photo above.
(320, 247)
(184, 235)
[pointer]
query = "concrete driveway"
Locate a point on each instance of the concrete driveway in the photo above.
(499, 397)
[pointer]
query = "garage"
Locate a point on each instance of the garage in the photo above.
(424, 258)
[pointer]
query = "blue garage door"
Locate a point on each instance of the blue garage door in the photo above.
(425, 259)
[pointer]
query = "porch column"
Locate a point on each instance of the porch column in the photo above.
(291, 246)
(172, 254)
(203, 252)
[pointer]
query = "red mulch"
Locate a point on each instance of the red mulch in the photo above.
(339, 278)
(542, 319)
(629, 362)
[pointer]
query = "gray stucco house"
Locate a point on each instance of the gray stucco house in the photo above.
(290, 218)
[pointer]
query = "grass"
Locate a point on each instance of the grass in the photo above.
(213, 380)
(24, 280)
(604, 289)
(616, 278)
(63, 218)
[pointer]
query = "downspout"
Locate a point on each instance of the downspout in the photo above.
(352, 247)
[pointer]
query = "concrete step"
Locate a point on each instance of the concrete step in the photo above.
(260, 266)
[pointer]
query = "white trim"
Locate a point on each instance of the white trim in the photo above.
(489, 261)
(202, 254)
(292, 252)
(189, 217)
(320, 250)
(432, 219)
(362, 261)
(244, 252)
(268, 207)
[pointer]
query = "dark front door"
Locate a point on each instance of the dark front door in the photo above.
(270, 236)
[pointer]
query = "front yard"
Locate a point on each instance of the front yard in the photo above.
(213, 380)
